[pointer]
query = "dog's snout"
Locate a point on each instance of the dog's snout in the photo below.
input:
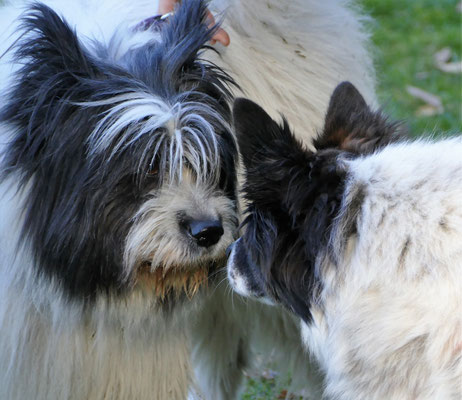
(205, 232)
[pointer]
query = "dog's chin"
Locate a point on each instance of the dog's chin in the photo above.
(177, 282)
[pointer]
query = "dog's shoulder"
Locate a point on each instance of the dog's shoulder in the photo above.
(406, 198)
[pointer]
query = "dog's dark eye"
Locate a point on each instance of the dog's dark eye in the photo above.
(153, 171)
(152, 175)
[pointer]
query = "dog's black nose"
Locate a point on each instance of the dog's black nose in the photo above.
(206, 233)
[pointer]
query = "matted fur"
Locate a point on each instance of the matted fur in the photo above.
(124, 346)
(361, 240)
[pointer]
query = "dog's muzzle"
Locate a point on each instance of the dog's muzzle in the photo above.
(242, 271)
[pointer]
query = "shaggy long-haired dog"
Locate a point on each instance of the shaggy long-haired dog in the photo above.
(361, 240)
(118, 188)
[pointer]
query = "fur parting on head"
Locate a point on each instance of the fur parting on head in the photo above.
(185, 131)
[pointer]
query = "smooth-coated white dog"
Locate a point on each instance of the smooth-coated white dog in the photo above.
(118, 188)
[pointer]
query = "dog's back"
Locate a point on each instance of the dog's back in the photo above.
(309, 47)
(396, 298)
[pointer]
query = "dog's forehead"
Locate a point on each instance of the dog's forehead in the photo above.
(149, 126)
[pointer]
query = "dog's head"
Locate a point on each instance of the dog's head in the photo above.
(128, 164)
(294, 195)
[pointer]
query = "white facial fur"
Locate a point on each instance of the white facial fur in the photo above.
(156, 236)
(238, 281)
(241, 281)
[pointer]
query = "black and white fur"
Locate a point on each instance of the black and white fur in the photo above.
(114, 140)
(362, 240)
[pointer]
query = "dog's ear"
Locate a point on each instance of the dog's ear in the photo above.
(272, 156)
(260, 138)
(346, 104)
(299, 192)
(50, 51)
(254, 130)
(56, 74)
(175, 63)
(352, 126)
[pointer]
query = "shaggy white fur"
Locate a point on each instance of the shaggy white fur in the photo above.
(289, 57)
(308, 48)
(389, 320)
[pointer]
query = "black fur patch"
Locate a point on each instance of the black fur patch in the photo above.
(80, 207)
(295, 194)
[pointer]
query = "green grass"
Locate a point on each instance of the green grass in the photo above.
(261, 389)
(406, 35)
(267, 388)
